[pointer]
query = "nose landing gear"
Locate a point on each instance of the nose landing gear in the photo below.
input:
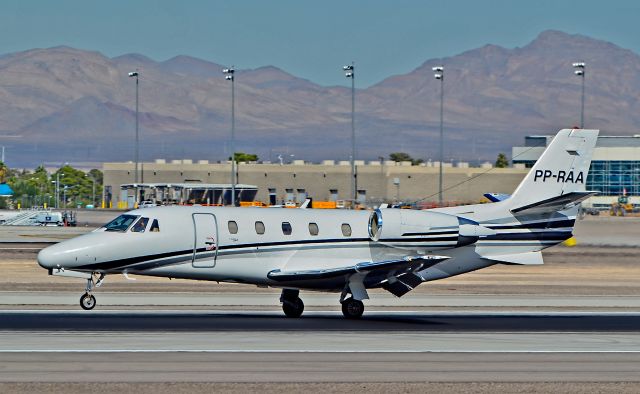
(88, 301)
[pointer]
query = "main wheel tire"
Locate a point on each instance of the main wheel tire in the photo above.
(352, 309)
(293, 308)
(87, 301)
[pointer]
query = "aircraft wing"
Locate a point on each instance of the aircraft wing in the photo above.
(401, 266)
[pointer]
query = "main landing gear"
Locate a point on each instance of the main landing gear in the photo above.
(292, 305)
(88, 301)
(352, 309)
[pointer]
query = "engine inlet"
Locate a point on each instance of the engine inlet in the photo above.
(375, 225)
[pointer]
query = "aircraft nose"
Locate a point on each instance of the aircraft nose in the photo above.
(49, 257)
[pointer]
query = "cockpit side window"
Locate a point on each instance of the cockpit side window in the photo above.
(155, 227)
(121, 223)
(140, 225)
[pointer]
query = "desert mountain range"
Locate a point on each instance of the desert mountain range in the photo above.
(69, 105)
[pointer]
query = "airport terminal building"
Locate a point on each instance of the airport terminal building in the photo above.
(615, 169)
(377, 181)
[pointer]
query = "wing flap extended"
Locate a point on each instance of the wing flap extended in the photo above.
(407, 264)
(402, 284)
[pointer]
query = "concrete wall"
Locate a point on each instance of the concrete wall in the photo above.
(416, 182)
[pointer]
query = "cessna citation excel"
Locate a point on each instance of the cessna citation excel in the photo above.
(341, 251)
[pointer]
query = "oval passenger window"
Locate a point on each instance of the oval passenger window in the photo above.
(313, 229)
(233, 227)
(346, 229)
(259, 228)
(286, 228)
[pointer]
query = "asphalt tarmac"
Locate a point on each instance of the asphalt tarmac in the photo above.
(146, 321)
(319, 367)
(258, 346)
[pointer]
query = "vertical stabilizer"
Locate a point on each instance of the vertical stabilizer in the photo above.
(561, 169)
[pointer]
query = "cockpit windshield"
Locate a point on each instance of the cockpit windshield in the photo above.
(121, 223)
(140, 225)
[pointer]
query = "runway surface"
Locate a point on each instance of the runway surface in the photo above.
(258, 346)
(320, 367)
(259, 321)
(258, 298)
(213, 331)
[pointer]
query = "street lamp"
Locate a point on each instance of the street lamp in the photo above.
(135, 74)
(64, 194)
(57, 182)
(579, 71)
(350, 73)
(439, 75)
(229, 76)
(93, 189)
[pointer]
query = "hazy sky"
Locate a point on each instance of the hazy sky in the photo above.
(310, 39)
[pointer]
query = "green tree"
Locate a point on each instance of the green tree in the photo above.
(3, 172)
(400, 156)
(502, 161)
(244, 157)
(78, 185)
(97, 176)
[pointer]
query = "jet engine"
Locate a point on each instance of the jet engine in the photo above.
(411, 229)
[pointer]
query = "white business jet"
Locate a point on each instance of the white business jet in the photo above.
(340, 251)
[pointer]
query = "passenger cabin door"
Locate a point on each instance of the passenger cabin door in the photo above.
(205, 240)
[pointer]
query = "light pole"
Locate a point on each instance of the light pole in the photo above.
(439, 75)
(350, 73)
(93, 189)
(57, 182)
(580, 71)
(229, 76)
(135, 74)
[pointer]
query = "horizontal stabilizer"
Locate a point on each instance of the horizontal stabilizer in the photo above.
(495, 197)
(553, 204)
(407, 264)
(527, 258)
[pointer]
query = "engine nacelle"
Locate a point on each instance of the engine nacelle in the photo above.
(412, 229)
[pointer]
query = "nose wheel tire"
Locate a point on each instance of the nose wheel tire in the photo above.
(352, 309)
(293, 307)
(87, 301)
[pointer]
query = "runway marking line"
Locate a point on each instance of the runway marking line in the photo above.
(311, 351)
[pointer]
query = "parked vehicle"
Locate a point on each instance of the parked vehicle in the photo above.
(147, 204)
